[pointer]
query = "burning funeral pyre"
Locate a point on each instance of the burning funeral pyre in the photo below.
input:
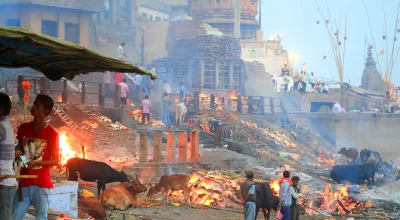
(137, 115)
(222, 189)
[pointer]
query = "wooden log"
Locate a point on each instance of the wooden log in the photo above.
(182, 145)
(195, 145)
(20, 89)
(144, 147)
(43, 86)
(65, 91)
(83, 152)
(117, 96)
(170, 147)
(20, 176)
(101, 95)
(344, 207)
(83, 93)
(157, 146)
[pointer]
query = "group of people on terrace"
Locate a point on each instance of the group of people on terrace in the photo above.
(299, 82)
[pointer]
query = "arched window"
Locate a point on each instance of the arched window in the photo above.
(253, 53)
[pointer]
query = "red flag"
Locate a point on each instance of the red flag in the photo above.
(382, 52)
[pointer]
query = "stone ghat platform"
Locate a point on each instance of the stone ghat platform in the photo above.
(148, 172)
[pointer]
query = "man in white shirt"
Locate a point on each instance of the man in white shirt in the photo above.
(325, 88)
(124, 92)
(137, 81)
(120, 51)
(167, 87)
(8, 186)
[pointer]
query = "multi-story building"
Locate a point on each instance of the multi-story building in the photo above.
(65, 19)
(220, 14)
(153, 10)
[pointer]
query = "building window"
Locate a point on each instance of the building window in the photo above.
(143, 16)
(224, 76)
(13, 22)
(209, 74)
(158, 18)
(237, 69)
(50, 28)
(151, 18)
(72, 32)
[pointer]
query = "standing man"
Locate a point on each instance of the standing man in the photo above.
(312, 80)
(182, 91)
(137, 81)
(285, 71)
(124, 92)
(295, 191)
(286, 82)
(167, 87)
(8, 186)
(285, 197)
(388, 102)
(248, 193)
(145, 106)
(166, 103)
(325, 88)
(43, 136)
(120, 51)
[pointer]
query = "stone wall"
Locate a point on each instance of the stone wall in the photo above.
(377, 132)
(257, 81)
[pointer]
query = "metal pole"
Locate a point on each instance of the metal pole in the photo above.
(259, 13)
(237, 19)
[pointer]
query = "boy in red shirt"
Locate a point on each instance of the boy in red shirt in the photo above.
(38, 142)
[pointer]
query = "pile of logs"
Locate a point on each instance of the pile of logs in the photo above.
(215, 47)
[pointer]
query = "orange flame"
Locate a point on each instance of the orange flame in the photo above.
(202, 95)
(275, 188)
(233, 94)
(65, 149)
(59, 99)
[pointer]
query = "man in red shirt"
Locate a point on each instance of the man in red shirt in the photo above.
(38, 142)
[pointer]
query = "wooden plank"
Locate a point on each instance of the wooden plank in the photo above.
(170, 147)
(144, 147)
(182, 145)
(195, 145)
(157, 146)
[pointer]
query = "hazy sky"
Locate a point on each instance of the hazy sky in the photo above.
(296, 20)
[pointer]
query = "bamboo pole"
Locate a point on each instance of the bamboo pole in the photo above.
(20, 176)
(386, 38)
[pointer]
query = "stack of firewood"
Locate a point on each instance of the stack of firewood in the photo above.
(219, 48)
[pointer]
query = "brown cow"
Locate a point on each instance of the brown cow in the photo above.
(171, 182)
(351, 154)
(123, 195)
(93, 208)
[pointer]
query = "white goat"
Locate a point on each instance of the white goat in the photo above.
(180, 114)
